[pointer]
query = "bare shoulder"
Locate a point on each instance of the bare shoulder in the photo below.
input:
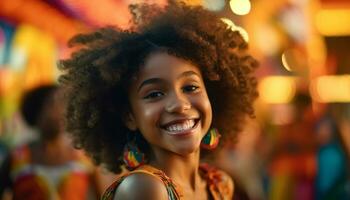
(141, 186)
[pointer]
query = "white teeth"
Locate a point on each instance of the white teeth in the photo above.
(188, 124)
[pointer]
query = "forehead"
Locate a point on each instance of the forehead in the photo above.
(163, 65)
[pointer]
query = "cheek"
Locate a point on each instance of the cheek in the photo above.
(204, 105)
(148, 114)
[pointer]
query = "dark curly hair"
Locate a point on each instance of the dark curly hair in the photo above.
(98, 74)
(33, 102)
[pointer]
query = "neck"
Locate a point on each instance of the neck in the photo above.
(56, 151)
(58, 143)
(183, 170)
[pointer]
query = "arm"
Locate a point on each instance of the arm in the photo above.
(141, 186)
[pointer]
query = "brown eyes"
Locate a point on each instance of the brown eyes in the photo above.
(155, 94)
(190, 88)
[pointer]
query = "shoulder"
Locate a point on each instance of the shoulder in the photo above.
(227, 182)
(218, 179)
(141, 186)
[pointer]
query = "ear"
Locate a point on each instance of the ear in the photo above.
(130, 121)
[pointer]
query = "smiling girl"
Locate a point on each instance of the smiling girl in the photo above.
(150, 99)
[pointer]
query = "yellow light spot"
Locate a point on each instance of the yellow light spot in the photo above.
(331, 88)
(333, 22)
(240, 7)
(277, 89)
(285, 63)
(193, 2)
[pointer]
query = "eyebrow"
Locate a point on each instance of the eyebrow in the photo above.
(159, 80)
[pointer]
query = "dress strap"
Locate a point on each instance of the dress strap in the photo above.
(172, 190)
(220, 184)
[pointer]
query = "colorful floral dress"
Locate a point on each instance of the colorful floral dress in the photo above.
(37, 182)
(219, 184)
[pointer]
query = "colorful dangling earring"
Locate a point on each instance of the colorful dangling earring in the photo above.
(211, 139)
(133, 156)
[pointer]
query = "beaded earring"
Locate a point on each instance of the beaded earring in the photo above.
(211, 140)
(133, 157)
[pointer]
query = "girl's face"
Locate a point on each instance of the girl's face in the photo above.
(50, 120)
(169, 104)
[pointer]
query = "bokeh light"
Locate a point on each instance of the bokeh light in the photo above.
(277, 89)
(329, 89)
(333, 22)
(240, 7)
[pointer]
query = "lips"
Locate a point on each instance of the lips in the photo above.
(180, 126)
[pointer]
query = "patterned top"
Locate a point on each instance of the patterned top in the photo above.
(220, 186)
(38, 182)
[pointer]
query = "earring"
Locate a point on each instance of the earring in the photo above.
(211, 139)
(133, 156)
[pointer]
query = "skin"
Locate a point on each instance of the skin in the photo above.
(167, 91)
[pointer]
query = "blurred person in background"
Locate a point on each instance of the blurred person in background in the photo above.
(332, 166)
(49, 167)
(292, 160)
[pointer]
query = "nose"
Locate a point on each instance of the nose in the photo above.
(178, 103)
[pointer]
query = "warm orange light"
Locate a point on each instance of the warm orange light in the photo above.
(7, 79)
(333, 22)
(193, 2)
(277, 89)
(329, 89)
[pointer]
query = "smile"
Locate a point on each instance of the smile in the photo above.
(181, 127)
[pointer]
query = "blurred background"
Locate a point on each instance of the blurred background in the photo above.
(297, 147)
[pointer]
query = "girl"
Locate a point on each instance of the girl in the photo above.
(47, 167)
(150, 98)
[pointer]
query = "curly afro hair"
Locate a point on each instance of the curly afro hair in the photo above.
(98, 74)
